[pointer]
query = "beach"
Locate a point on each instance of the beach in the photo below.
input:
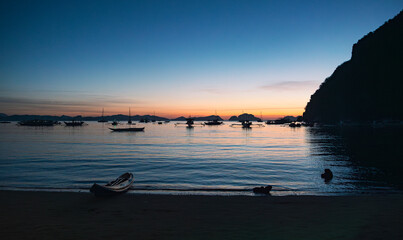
(68, 215)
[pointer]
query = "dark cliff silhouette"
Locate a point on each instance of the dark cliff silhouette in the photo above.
(369, 86)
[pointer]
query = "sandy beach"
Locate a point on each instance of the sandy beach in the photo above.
(59, 215)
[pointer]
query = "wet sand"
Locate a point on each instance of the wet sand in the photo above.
(46, 215)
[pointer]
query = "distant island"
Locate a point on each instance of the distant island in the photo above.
(208, 118)
(118, 117)
(244, 116)
(369, 86)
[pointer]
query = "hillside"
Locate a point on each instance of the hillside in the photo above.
(369, 86)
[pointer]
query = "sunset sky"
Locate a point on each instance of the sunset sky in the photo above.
(175, 58)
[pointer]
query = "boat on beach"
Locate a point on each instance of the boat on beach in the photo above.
(117, 186)
(127, 129)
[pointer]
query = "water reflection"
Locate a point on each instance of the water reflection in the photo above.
(366, 157)
(223, 157)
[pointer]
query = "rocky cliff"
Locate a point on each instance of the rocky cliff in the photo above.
(369, 86)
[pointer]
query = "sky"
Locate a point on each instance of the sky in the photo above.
(176, 58)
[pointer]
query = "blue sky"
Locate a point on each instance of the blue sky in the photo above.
(175, 57)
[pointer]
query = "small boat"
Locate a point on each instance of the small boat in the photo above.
(127, 129)
(189, 123)
(130, 118)
(117, 186)
(74, 123)
(213, 123)
(159, 122)
(144, 120)
(246, 124)
(102, 120)
(37, 123)
(294, 124)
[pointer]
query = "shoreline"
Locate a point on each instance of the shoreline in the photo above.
(68, 215)
(213, 192)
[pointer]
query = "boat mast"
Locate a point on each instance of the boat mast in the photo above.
(130, 118)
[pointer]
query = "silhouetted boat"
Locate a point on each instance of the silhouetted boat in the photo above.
(144, 120)
(213, 122)
(37, 123)
(127, 129)
(246, 124)
(74, 123)
(130, 118)
(159, 122)
(295, 124)
(120, 185)
(102, 118)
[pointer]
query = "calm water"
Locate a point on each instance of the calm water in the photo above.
(220, 158)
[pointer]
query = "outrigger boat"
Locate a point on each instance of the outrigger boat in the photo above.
(127, 129)
(189, 123)
(38, 123)
(246, 124)
(213, 122)
(117, 186)
(74, 123)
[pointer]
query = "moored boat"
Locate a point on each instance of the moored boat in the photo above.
(37, 123)
(295, 124)
(127, 129)
(102, 120)
(117, 186)
(74, 123)
(213, 122)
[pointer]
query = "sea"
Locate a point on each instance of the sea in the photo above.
(212, 160)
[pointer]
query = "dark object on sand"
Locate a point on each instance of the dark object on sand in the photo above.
(120, 185)
(328, 175)
(263, 190)
(5, 122)
(127, 129)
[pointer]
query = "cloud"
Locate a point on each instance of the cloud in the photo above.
(83, 104)
(291, 86)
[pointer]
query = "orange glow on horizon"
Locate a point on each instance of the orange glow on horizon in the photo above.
(267, 114)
